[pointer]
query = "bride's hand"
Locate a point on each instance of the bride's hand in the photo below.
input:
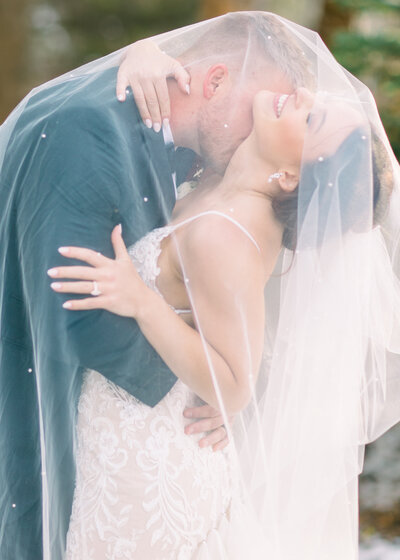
(122, 289)
(145, 67)
(212, 422)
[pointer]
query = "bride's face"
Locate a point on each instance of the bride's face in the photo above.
(282, 123)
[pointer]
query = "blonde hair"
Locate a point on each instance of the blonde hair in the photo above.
(241, 40)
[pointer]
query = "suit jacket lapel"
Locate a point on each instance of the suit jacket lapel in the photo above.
(160, 168)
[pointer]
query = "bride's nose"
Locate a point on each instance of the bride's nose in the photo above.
(303, 96)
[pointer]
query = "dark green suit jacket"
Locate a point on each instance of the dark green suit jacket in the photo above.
(78, 163)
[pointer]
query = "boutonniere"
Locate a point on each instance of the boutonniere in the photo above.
(185, 188)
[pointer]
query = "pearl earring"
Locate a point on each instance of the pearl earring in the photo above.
(274, 176)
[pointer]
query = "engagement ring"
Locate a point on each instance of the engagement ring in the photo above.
(95, 291)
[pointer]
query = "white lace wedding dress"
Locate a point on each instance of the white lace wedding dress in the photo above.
(145, 490)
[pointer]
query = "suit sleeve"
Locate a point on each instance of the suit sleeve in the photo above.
(77, 180)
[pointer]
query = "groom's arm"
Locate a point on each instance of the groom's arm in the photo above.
(74, 191)
(78, 178)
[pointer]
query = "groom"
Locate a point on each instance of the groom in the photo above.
(79, 162)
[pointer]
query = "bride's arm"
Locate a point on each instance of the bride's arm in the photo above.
(226, 281)
(229, 319)
(226, 287)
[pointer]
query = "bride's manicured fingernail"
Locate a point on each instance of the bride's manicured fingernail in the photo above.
(120, 97)
(63, 250)
(55, 285)
(67, 304)
(165, 122)
(148, 123)
(157, 127)
(52, 272)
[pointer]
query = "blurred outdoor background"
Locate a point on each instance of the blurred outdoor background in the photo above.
(40, 39)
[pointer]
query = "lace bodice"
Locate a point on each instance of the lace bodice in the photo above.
(146, 251)
(145, 489)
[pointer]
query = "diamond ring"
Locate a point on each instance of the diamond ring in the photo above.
(95, 291)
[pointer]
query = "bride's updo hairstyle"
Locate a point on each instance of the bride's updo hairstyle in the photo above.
(336, 180)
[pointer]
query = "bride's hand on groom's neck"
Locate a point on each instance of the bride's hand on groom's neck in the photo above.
(145, 68)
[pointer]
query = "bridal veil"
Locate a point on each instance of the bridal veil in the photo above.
(329, 381)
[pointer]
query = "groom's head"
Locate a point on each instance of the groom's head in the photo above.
(229, 59)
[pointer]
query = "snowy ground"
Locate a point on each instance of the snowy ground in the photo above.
(380, 495)
(379, 549)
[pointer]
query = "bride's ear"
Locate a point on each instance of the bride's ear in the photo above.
(288, 181)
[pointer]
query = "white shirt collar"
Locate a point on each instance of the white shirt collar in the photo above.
(168, 138)
(167, 132)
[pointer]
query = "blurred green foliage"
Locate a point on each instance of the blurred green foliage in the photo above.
(370, 49)
(44, 38)
(97, 27)
(369, 4)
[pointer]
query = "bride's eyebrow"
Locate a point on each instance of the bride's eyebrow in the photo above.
(321, 122)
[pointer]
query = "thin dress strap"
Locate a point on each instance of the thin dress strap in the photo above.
(218, 213)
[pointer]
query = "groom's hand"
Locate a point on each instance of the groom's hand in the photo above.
(212, 422)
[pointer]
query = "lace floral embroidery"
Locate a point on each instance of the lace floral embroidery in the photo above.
(145, 253)
(144, 488)
(142, 483)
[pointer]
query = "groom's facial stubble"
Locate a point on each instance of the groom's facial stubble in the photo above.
(225, 119)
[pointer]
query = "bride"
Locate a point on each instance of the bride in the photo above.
(196, 289)
(271, 293)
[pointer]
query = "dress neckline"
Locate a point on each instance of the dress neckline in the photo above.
(218, 213)
(171, 227)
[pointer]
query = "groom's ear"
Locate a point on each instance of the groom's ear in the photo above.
(215, 78)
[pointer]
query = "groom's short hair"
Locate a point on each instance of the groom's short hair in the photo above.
(243, 40)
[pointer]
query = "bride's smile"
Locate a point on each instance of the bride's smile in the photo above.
(302, 124)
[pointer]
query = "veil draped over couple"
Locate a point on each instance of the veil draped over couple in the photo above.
(240, 264)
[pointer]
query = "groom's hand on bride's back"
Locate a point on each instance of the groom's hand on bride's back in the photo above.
(211, 421)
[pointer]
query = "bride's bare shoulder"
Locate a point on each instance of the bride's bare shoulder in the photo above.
(217, 244)
(223, 246)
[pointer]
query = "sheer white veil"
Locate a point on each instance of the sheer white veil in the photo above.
(330, 376)
(330, 382)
